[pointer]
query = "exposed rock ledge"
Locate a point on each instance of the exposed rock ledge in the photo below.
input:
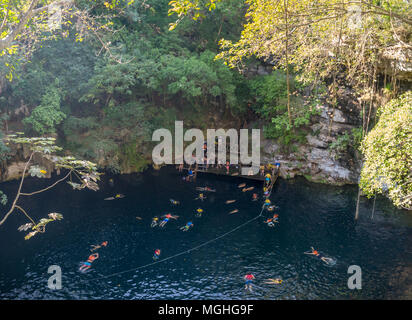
(314, 160)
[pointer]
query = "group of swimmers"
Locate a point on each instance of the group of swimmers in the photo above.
(270, 221)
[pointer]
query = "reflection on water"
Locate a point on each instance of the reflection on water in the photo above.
(310, 215)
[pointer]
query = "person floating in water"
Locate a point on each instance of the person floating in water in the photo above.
(155, 222)
(166, 219)
(255, 197)
(317, 254)
(247, 189)
(268, 178)
(174, 202)
(271, 208)
(273, 281)
(269, 222)
(87, 265)
(156, 254)
(201, 197)
(249, 280)
(117, 196)
(205, 189)
(199, 212)
(187, 226)
(233, 211)
(95, 247)
(230, 201)
(242, 185)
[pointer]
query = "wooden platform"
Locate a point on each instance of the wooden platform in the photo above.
(234, 172)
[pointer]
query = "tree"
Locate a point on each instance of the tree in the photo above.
(84, 172)
(47, 115)
(387, 149)
(25, 23)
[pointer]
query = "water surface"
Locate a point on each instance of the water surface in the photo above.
(310, 215)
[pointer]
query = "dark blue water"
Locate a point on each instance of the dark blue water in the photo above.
(310, 215)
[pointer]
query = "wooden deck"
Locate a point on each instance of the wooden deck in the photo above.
(234, 172)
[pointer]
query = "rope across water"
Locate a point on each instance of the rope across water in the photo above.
(189, 250)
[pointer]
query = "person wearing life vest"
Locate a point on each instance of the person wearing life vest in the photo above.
(249, 280)
(155, 221)
(156, 255)
(269, 222)
(87, 265)
(268, 179)
(319, 255)
(187, 226)
(166, 219)
(199, 212)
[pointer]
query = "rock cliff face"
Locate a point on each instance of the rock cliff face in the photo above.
(314, 159)
(13, 167)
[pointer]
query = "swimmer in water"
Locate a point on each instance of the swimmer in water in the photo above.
(269, 222)
(187, 226)
(248, 281)
(199, 212)
(156, 254)
(317, 254)
(271, 208)
(233, 211)
(230, 201)
(267, 203)
(273, 281)
(155, 222)
(117, 196)
(87, 265)
(248, 189)
(95, 247)
(201, 197)
(166, 219)
(255, 197)
(242, 185)
(205, 189)
(174, 202)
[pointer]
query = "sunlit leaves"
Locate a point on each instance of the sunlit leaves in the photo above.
(40, 227)
(387, 150)
(36, 171)
(3, 198)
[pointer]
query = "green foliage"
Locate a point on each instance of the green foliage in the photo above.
(271, 105)
(345, 141)
(387, 149)
(3, 198)
(47, 115)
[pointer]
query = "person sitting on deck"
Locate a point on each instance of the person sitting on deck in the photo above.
(262, 170)
(87, 265)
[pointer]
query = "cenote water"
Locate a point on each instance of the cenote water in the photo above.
(310, 215)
